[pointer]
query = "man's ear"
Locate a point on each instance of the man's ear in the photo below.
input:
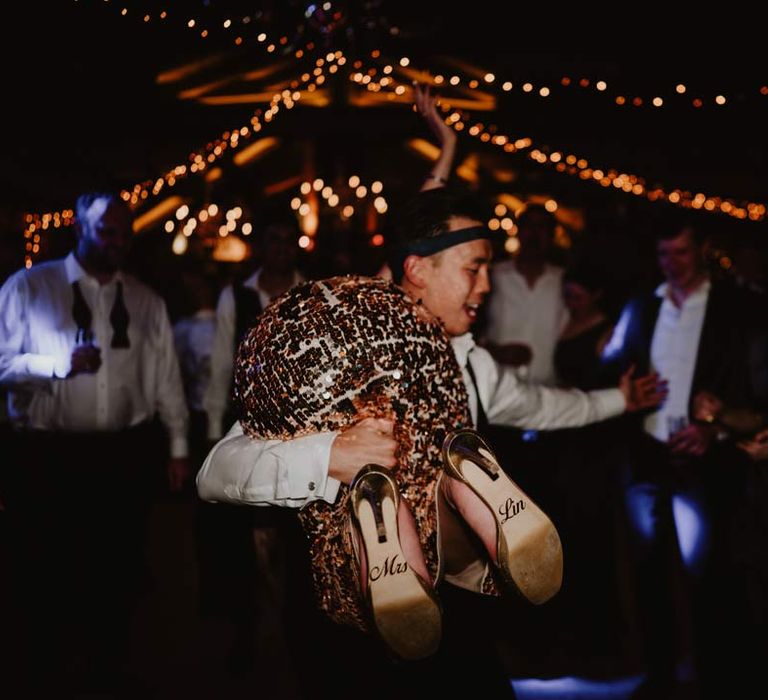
(415, 271)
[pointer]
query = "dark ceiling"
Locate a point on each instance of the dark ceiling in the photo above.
(82, 104)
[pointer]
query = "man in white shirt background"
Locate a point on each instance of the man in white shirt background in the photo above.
(193, 336)
(87, 358)
(526, 311)
(239, 306)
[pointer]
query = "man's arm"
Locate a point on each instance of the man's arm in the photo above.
(291, 473)
(512, 402)
(17, 366)
(169, 392)
(426, 105)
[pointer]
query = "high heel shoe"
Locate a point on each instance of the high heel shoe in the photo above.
(405, 610)
(528, 549)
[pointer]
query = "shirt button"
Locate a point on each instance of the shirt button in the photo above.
(311, 485)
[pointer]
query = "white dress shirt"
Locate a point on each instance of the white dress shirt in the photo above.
(217, 396)
(37, 336)
(193, 337)
(292, 473)
(535, 316)
(674, 348)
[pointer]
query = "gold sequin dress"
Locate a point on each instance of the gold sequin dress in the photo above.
(321, 358)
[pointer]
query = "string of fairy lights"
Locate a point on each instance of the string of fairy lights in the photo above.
(238, 30)
(185, 223)
(665, 96)
(200, 160)
(481, 89)
(345, 202)
(562, 162)
(242, 29)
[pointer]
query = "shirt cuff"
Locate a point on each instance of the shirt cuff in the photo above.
(610, 403)
(46, 366)
(179, 447)
(304, 469)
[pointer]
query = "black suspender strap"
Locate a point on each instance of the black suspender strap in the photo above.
(482, 418)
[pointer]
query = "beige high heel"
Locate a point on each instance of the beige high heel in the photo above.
(405, 610)
(528, 549)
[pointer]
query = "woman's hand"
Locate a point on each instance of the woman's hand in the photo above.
(370, 441)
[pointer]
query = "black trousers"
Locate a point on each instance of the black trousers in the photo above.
(680, 513)
(77, 507)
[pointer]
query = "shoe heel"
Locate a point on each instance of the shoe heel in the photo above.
(529, 553)
(405, 610)
(468, 447)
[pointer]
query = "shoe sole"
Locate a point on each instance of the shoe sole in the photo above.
(406, 614)
(528, 548)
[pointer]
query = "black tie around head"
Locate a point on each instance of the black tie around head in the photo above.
(119, 319)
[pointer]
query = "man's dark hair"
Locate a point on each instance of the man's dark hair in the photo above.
(587, 275)
(85, 202)
(533, 211)
(271, 214)
(287, 221)
(426, 216)
(674, 223)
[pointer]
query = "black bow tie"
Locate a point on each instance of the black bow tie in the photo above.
(81, 312)
(118, 317)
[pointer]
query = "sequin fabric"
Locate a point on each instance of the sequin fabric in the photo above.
(326, 355)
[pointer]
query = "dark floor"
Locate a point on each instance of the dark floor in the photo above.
(175, 653)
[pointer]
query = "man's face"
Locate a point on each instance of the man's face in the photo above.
(535, 234)
(457, 280)
(680, 259)
(280, 249)
(579, 300)
(105, 236)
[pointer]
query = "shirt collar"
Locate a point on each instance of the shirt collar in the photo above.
(462, 346)
(204, 314)
(662, 291)
(76, 272)
(253, 280)
(549, 270)
(74, 269)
